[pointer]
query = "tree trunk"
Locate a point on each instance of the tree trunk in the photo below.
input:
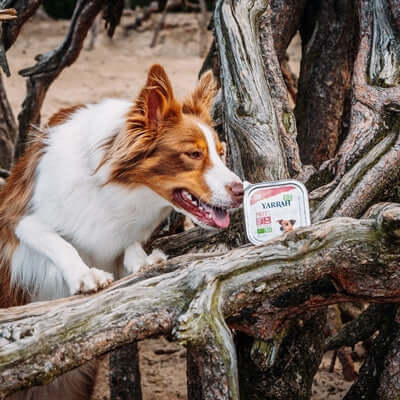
(327, 34)
(249, 119)
(125, 373)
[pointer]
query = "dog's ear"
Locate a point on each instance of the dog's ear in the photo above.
(280, 221)
(154, 108)
(292, 221)
(200, 101)
(156, 102)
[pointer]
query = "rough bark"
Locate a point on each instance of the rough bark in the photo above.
(51, 64)
(374, 114)
(389, 383)
(285, 120)
(373, 367)
(8, 130)
(125, 374)
(286, 21)
(285, 379)
(265, 285)
(249, 119)
(327, 34)
(25, 9)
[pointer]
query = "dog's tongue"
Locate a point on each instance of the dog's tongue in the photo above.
(220, 218)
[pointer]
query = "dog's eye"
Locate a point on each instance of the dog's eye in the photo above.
(195, 155)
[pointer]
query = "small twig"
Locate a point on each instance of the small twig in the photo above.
(159, 26)
(333, 361)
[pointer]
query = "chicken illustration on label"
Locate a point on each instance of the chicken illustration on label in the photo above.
(273, 208)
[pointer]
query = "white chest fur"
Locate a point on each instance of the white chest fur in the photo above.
(72, 206)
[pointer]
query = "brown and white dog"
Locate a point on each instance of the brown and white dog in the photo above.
(92, 189)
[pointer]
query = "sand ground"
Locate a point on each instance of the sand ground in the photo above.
(118, 69)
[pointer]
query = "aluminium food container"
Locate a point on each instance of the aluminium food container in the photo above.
(273, 208)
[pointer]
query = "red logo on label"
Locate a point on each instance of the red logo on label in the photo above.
(263, 221)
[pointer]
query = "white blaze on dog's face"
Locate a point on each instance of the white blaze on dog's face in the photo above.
(172, 148)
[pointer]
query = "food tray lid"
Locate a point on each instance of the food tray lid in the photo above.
(273, 208)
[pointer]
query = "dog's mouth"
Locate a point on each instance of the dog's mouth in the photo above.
(216, 217)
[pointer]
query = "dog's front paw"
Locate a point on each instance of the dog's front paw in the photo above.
(136, 259)
(91, 280)
(156, 256)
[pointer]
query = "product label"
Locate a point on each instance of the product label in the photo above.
(275, 210)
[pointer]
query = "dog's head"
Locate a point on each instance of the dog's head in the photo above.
(172, 148)
(287, 225)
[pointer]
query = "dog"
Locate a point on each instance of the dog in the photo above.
(286, 225)
(93, 187)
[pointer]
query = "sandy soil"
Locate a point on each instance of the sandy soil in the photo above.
(118, 69)
(114, 68)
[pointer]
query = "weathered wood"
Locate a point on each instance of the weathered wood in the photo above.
(125, 374)
(371, 371)
(8, 130)
(290, 376)
(286, 21)
(25, 9)
(40, 341)
(389, 383)
(51, 64)
(5, 15)
(284, 117)
(374, 107)
(327, 34)
(360, 186)
(369, 159)
(255, 151)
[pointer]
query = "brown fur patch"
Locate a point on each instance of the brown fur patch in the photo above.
(161, 146)
(14, 198)
(200, 101)
(64, 114)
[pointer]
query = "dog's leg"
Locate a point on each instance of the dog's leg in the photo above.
(135, 258)
(76, 274)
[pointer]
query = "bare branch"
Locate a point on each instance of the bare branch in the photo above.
(356, 257)
(51, 64)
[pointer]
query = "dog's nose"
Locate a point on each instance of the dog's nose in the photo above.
(236, 189)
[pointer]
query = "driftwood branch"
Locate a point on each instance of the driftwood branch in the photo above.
(25, 9)
(51, 64)
(194, 294)
(249, 118)
(374, 115)
(285, 120)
